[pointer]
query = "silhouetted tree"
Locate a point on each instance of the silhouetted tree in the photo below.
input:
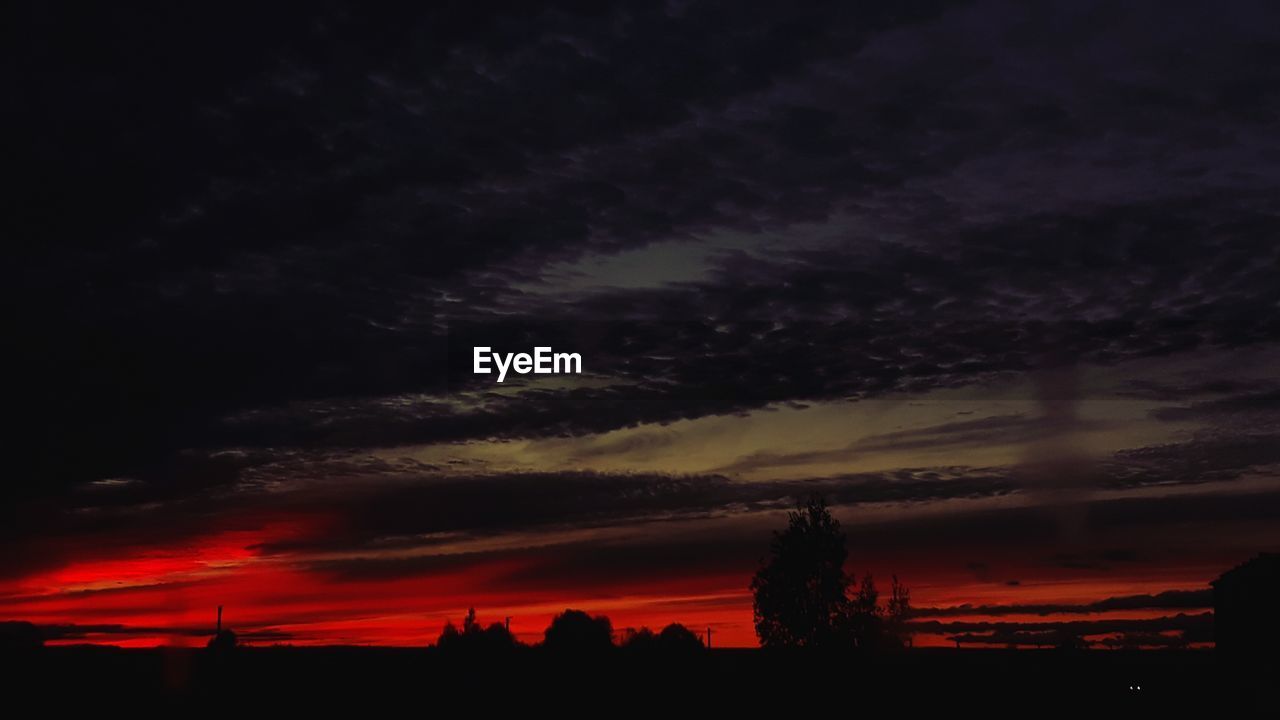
(865, 625)
(802, 596)
(575, 632)
(801, 593)
(20, 636)
(676, 639)
(876, 627)
(897, 613)
(474, 638)
(642, 640)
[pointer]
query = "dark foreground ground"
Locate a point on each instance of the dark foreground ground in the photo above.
(383, 681)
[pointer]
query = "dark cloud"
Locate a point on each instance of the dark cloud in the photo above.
(381, 505)
(1179, 392)
(1157, 528)
(76, 631)
(409, 513)
(255, 249)
(856, 323)
(1047, 633)
(1168, 600)
(1101, 561)
(251, 244)
(404, 535)
(379, 509)
(341, 177)
(1254, 407)
(1215, 457)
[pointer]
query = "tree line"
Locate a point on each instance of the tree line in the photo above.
(571, 632)
(802, 597)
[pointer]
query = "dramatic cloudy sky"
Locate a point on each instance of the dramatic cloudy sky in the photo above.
(999, 279)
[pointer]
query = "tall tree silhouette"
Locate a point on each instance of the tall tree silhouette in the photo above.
(804, 598)
(897, 612)
(801, 592)
(864, 623)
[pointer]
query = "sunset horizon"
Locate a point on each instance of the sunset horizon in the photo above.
(852, 336)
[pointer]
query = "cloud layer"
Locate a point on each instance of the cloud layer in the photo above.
(254, 248)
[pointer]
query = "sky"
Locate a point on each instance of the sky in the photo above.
(996, 279)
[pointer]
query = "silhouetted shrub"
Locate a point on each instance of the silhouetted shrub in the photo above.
(223, 641)
(574, 632)
(641, 641)
(676, 638)
(20, 636)
(473, 639)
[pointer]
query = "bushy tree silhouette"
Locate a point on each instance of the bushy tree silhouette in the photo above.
(20, 636)
(223, 641)
(676, 638)
(475, 639)
(801, 593)
(643, 640)
(575, 632)
(803, 597)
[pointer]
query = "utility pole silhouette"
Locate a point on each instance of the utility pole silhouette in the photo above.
(222, 640)
(708, 638)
